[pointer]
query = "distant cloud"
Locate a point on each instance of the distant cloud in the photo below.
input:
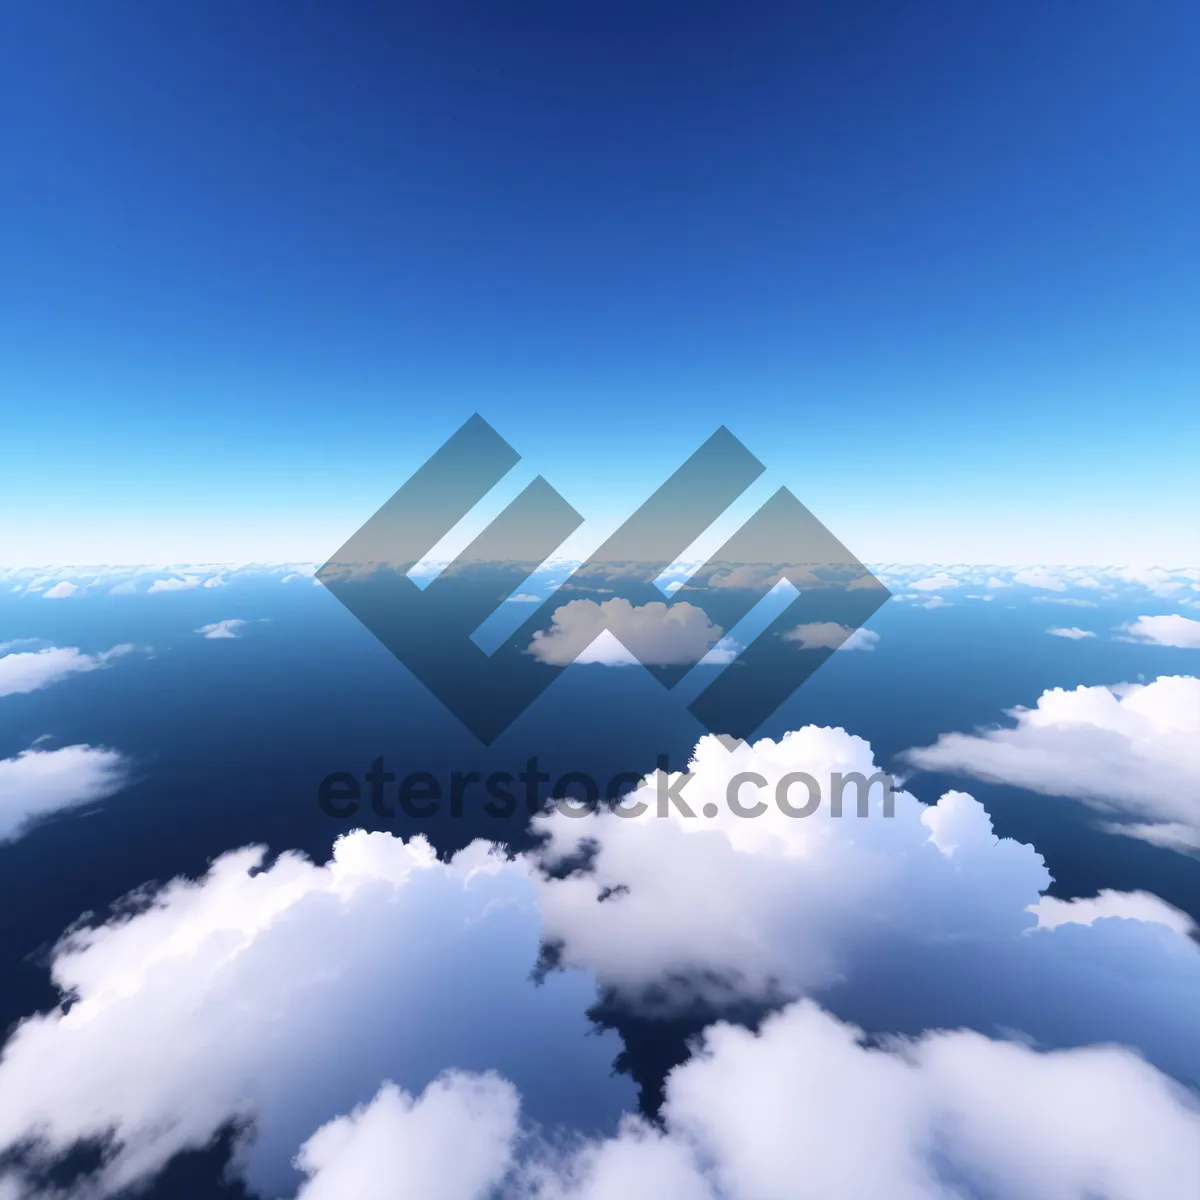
(1180, 632)
(223, 629)
(1071, 631)
(935, 583)
(831, 635)
(1040, 577)
(37, 783)
(60, 591)
(524, 598)
(215, 582)
(128, 588)
(649, 633)
(1070, 601)
(936, 602)
(29, 671)
(174, 584)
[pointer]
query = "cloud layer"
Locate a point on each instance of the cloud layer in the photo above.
(807, 1109)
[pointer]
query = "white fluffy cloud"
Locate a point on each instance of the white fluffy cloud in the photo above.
(31, 670)
(1132, 750)
(831, 635)
(175, 583)
(806, 1109)
(280, 997)
(795, 894)
(222, 629)
(915, 921)
(36, 783)
(60, 591)
(1071, 631)
(456, 1142)
(362, 1019)
(654, 633)
(1181, 632)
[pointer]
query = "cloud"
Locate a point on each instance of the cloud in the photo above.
(318, 1008)
(830, 635)
(935, 583)
(793, 890)
(29, 671)
(855, 912)
(654, 633)
(1153, 579)
(455, 1142)
(1181, 632)
(1071, 631)
(1040, 577)
(278, 996)
(37, 783)
(524, 598)
(1139, 906)
(1070, 601)
(936, 602)
(1132, 750)
(174, 584)
(128, 588)
(60, 591)
(808, 1108)
(223, 629)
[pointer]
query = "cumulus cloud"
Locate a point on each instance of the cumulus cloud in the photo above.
(223, 629)
(832, 636)
(174, 583)
(317, 1008)
(36, 783)
(1181, 632)
(794, 891)
(455, 1142)
(1131, 750)
(806, 1109)
(1070, 631)
(654, 633)
(708, 906)
(60, 591)
(31, 670)
(279, 996)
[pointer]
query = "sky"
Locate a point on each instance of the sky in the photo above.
(934, 264)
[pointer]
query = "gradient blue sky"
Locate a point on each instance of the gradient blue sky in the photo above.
(938, 264)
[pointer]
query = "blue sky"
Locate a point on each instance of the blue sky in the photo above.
(935, 264)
